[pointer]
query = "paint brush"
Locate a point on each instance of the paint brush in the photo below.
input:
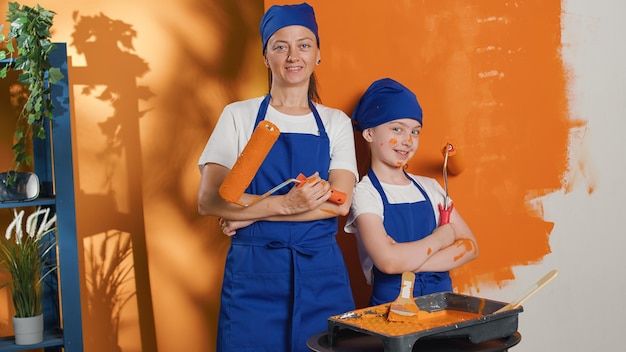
(404, 307)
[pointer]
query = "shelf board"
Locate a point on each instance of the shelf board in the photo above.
(50, 339)
(29, 203)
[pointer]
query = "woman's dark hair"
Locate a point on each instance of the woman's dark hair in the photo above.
(313, 93)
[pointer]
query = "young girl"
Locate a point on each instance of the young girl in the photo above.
(395, 214)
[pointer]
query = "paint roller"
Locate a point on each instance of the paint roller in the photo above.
(453, 163)
(456, 163)
(248, 163)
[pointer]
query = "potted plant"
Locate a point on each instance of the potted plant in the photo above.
(29, 38)
(24, 253)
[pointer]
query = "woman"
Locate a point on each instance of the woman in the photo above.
(284, 273)
(395, 214)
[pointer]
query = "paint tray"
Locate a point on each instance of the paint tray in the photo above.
(477, 323)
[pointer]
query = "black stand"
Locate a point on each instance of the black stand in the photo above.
(351, 341)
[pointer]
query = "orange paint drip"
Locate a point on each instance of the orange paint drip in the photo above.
(481, 307)
(468, 244)
(429, 251)
(329, 211)
(393, 141)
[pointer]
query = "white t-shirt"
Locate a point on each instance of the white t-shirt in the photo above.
(366, 199)
(236, 124)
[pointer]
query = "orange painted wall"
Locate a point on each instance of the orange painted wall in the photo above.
(149, 82)
(490, 79)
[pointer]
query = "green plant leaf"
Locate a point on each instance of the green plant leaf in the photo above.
(29, 33)
(55, 75)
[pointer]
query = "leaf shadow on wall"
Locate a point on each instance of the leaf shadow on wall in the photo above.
(111, 270)
(111, 212)
(226, 65)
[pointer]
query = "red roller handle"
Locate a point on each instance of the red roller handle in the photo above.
(444, 214)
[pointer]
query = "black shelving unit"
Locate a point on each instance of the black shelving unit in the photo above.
(52, 158)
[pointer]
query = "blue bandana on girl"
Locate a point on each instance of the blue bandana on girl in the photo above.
(385, 100)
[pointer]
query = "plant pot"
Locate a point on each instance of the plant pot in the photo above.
(29, 330)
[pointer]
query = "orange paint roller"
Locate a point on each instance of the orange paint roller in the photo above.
(248, 163)
(454, 163)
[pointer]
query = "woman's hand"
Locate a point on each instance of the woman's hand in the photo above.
(230, 227)
(307, 195)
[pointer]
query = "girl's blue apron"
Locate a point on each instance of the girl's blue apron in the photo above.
(283, 280)
(407, 222)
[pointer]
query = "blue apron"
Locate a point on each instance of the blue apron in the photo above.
(282, 280)
(407, 222)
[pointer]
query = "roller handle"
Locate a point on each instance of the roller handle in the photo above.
(336, 197)
(444, 214)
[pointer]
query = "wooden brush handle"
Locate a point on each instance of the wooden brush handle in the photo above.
(538, 285)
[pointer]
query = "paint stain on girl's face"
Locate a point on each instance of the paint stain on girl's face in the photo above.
(393, 141)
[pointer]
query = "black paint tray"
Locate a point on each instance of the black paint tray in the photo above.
(398, 336)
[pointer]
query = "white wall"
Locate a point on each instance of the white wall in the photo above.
(584, 309)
